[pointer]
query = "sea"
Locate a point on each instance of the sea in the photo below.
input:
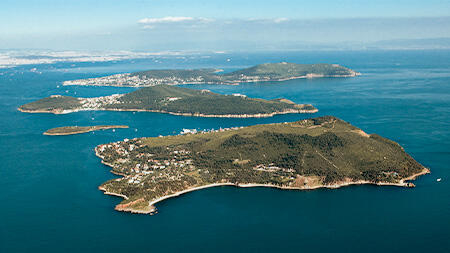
(49, 197)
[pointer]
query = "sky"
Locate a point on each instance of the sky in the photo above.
(215, 25)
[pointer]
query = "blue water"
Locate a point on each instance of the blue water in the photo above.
(49, 201)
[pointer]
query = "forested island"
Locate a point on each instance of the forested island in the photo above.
(173, 100)
(69, 130)
(307, 154)
(264, 72)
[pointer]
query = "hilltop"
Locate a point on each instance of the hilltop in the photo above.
(264, 72)
(173, 100)
(308, 154)
(284, 70)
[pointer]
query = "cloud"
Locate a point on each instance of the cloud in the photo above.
(168, 19)
(265, 20)
(151, 23)
(280, 20)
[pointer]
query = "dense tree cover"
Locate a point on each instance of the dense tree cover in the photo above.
(287, 70)
(197, 101)
(281, 150)
(52, 103)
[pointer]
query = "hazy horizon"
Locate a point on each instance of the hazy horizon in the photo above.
(142, 25)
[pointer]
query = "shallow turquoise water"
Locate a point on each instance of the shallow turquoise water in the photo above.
(48, 185)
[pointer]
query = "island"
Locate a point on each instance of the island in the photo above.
(173, 100)
(69, 130)
(307, 154)
(274, 72)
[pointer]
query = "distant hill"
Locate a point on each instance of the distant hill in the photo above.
(285, 70)
(259, 73)
(173, 100)
(430, 43)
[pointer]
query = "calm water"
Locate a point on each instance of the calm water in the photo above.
(48, 185)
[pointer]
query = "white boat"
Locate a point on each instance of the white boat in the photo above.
(439, 179)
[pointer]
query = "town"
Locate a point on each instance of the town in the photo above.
(134, 80)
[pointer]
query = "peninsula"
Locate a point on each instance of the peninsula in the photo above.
(274, 72)
(308, 154)
(69, 130)
(174, 100)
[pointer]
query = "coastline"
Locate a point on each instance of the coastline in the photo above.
(258, 115)
(150, 209)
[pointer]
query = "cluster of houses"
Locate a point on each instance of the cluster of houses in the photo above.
(98, 102)
(239, 95)
(142, 80)
(244, 78)
(167, 169)
(272, 168)
(148, 168)
(171, 99)
(205, 131)
(113, 80)
(134, 80)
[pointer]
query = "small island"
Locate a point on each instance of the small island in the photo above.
(69, 130)
(173, 100)
(303, 155)
(275, 72)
